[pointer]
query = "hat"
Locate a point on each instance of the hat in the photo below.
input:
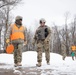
(18, 17)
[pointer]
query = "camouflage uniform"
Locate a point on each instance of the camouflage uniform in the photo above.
(42, 40)
(63, 48)
(18, 44)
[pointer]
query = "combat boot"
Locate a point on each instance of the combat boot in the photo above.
(19, 64)
(48, 63)
(15, 65)
(63, 58)
(39, 64)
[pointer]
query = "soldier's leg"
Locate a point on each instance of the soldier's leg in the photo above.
(47, 52)
(63, 57)
(72, 57)
(75, 54)
(39, 55)
(19, 54)
(15, 53)
(63, 54)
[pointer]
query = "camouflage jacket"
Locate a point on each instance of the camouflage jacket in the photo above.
(42, 33)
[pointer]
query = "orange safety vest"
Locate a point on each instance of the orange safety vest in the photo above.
(73, 48)
(17, 33)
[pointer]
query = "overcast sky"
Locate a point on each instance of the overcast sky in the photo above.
(51, 10)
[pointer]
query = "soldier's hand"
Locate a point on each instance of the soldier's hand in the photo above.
(46, 40)
(7, 41)
(25, 43)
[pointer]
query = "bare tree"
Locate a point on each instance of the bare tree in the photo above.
(74, 31)
(8, 2)
(56, 40)
(66, 31)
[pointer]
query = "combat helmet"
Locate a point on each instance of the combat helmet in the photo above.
(42, 20)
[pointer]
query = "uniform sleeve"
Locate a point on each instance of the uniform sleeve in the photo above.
(49, 34)
(35, 35)
(9, 31)
(25, 34)
(35, 38)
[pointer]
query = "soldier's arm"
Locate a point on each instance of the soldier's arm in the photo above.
(9, 31)
(49, 34)
(35, 38)
(25, 34)
(35, 35)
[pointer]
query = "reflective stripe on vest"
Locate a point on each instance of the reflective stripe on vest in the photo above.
(17, 33)
(73, 48)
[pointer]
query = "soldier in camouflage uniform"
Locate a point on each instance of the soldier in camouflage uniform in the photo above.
(17, 35)
(42, 40)
(63, 48)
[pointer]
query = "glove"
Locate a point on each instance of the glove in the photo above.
(7, 41)
(46, 40)
(25, 43)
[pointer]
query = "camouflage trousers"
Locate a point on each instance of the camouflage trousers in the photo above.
(42, 46)
(18, 52)
(63, 54)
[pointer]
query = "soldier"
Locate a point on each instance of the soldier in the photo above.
(42, 40)
(73, 50)
(63, 48)
(17, 35)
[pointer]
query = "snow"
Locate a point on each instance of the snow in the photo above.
(29, 59)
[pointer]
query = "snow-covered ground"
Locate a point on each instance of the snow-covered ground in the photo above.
(57, 65)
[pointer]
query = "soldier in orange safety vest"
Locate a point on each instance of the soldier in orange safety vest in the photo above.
(17, 35)
(73, 48)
